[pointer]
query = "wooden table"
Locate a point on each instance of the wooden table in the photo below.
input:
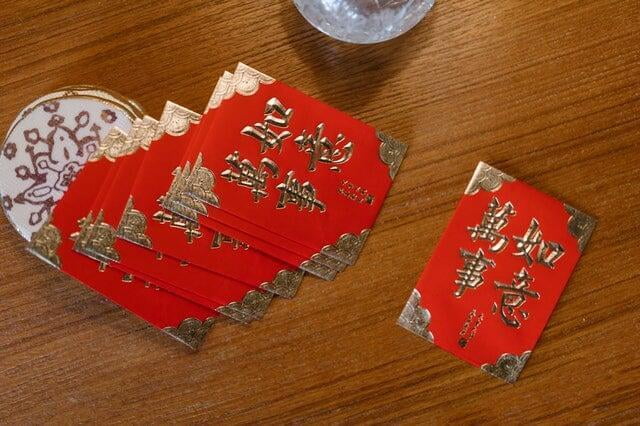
(546, 91)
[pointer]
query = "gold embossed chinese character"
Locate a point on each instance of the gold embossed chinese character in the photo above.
(321, 149)
(469, 328)
(470, 276)
(191, 229)
(548, 252)
(355, 193)
(301, 194)
(514, 295)
(246, 174)
(219, 239)
(495, 218)
(275, 114)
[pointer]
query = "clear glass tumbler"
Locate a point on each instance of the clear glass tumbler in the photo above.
(363, 21)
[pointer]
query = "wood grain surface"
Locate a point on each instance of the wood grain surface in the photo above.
(547, 91)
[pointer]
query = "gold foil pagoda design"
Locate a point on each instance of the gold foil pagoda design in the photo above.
(200, 183)
(190, 190)
(44, 244)
(133, 226)
(176, 199)
(96, 239)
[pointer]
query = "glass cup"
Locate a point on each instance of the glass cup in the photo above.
(364, 21)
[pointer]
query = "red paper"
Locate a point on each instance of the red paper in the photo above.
(184, 320)
(257, 177)
(196, 245)
(229, 297)
(497, 273)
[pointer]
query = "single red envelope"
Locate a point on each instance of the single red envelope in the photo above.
(497, 273)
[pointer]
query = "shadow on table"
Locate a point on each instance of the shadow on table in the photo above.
(363, 69)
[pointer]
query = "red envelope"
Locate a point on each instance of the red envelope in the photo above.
(184, 320)
(292, 168)
(229, 297)
(281, 248)
(320, 265)
(497, 273)
(184, 239)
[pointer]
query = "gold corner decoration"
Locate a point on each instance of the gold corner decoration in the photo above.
(191, 331)
(330, 262)
(348, 247)
(487, 178)
(146, 132)
(285, 284)
(391, 152)
(580, 226)
(244, 81)
(176, 120)
(118, 144)
(133, 226)
(223, 90)
(111, 145)
(319, 270)
(415, 318)
(507, 367)
(44, 244)
(247, 80)
(252, 307)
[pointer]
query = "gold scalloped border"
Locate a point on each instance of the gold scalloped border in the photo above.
(119, 144)
(391, 152)
(285, 284)
(176, 119)
(318, 270)
(415, 318)
(580, 226)
(348, 247)
(191, 331)
(507, 367)
(487, 178)
(244, 81)
(252, 307)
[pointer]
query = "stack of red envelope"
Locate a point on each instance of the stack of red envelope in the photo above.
(191, 217)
